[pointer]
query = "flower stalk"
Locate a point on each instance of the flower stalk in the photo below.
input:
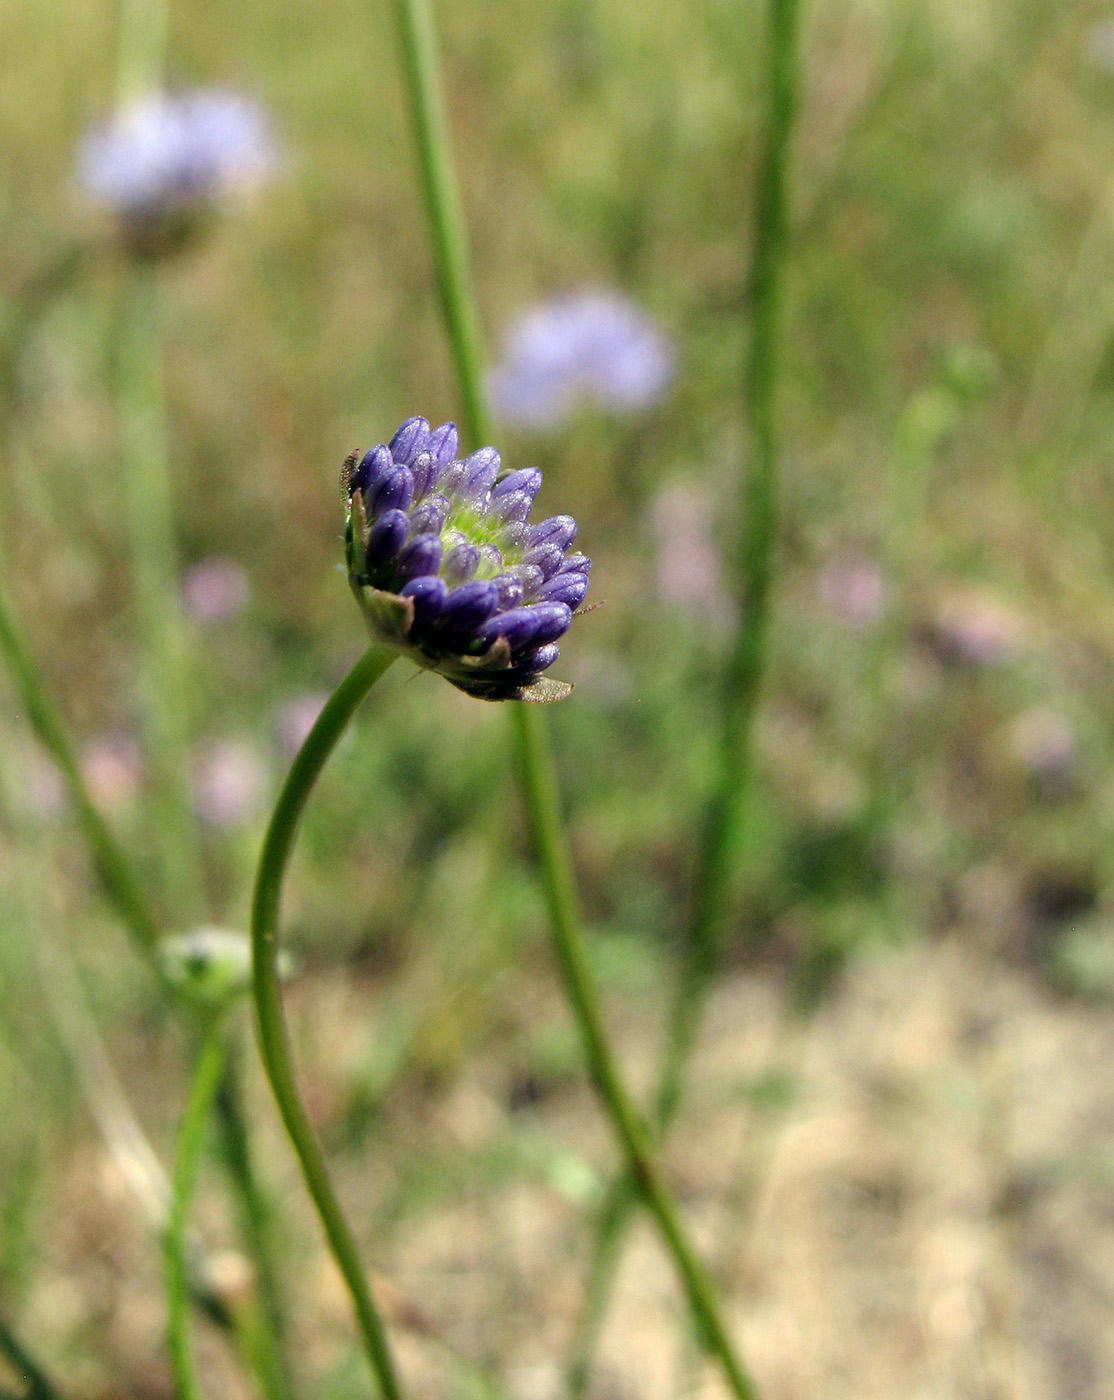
(446, 222)
(725, 813)
(273, 1034)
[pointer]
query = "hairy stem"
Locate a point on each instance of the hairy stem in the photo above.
(274, 1037)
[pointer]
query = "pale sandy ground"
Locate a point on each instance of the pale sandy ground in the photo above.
(929, 1215)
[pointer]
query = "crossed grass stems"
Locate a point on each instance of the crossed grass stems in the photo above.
(642, 1179)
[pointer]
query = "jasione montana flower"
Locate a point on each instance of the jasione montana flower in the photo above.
(447, 567)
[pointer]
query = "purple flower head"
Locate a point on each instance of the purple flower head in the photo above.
(594, 348)
(164, 154)
(447, 568)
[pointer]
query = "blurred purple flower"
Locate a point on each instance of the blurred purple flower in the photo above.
(215, 589)
(230, 783)
(297, 717)
(163, 152)
(594, 348)
(854, 590)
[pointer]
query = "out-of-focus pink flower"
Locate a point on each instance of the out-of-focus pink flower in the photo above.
(216, 589)
(230, 783)
(688, 563)
(1044, 744)
(974, 628)
(297, 717)
(854, 590)
(112, 767)
(597, 347)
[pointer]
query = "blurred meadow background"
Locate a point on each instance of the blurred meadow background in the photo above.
(897, 1145)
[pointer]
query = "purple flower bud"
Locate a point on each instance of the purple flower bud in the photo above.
(443, 444)
(424, 472)
(373, 465)
(480, 472)
(519, 626)
(509, 587)
(531, 663)
(410, 439)
(452, 478)
(565, 588)
(576, 564)
(547, 557)
(429, 518)
(558, 529)
(532, 579)
(429, 594)
(461, 562)
(515, 505)
(391, 492)
(423, 556)
(467, 606)
(528, 479)
(553, 621)
(386, 537)
(491, 557)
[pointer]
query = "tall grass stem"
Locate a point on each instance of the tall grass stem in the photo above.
(742, 679)
(444, 211)
(274, 1037)
(187, 1165)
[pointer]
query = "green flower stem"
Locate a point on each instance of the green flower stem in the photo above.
(542, 805)
(116, 873)
(726, 810)
(269, 1328)
(443, 209)
(39, 1385)
(187, 1165)
(274, 1038)
(149, 515)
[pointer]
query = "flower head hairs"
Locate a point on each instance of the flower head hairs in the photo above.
(596, 347)
(447, 567)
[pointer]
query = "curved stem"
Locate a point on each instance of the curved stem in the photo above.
(187, 1164)
(274, 1037)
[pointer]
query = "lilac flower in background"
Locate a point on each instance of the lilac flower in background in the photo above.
(1044, 745)
(854, 590)
(595, 348)
(215, 589)
(976, 629)
(688, 574)
(447, 567)
(113, 771)
(164, 153)
(230, 783)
